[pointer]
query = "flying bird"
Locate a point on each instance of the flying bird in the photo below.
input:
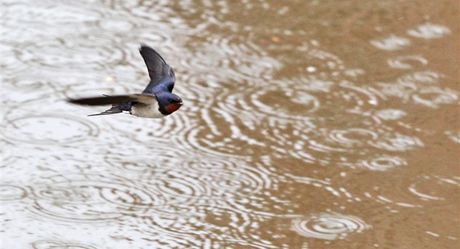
(157, 99)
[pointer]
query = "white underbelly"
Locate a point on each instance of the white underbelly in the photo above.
(147, 111)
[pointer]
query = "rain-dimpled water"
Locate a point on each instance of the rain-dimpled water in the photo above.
(305, 124)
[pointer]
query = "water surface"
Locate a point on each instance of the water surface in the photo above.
(306, 124)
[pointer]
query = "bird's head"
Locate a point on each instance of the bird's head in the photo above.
(168, 102)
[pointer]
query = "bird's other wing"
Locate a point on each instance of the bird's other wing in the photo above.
(114, 100)
(161, 74)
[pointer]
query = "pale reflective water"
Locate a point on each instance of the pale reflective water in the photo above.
(306, 124)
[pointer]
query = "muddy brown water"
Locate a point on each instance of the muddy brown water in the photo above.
(306, 124)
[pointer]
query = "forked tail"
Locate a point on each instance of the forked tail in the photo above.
(115, 109)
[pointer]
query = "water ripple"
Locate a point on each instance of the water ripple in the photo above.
(420, 87)
(58, 244)
(423, 191)
(155, 159)
(397, 142)
(391, 114)
(317, 146)
(435, 96)
(219, 56)
(143, 10)
(352, 136)
(407, 61)
(12, 193)
(329, 226)
(429, 31)
(49, 129)
(430, 188)
(425, 77)
(273, 110)
(85, 198)
(453, 135)
(383, 162)
(202, 226)
(235, 177)
(391, 43)
(78, 54)
(278, 102)
(353, 147)
(52, 14)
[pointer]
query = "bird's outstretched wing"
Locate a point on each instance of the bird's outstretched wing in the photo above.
(119, 103)
(114, 100)
(161, 75)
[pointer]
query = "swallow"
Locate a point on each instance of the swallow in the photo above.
(157, 99)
